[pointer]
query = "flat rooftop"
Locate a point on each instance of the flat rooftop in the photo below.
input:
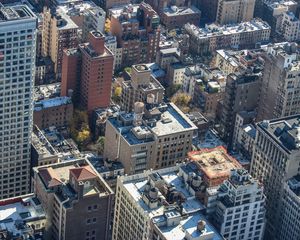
(176, 11)
(213, 30)
(284, 131)
(188, 227)
(47, 91)
(214, 163)
(172, 121)
(41, 144)
(16, 12)
(52, 102)
(184, 223)
(20, 210)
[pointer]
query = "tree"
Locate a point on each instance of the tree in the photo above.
(79, 127)
(107, 26)
(182, 101)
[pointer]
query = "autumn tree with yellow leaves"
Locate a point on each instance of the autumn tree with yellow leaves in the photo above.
(79, 128)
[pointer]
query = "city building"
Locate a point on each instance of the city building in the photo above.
(60, 141)
(141, 86)
(93, 88)
(208, 9)
(22, 218)
(175, 17)
(280, 82)
(154, 136)
(289, 27)
(175, 73)
(53, 112)
(86, 15)
(167, 56)
(242, 92)
(204, 41)
(137, 30)
(208, 91)
(240, 207)
(44, 71)
(276, 159)
(58, 32)
(271, 11)
(42, 152)
(161, 204)
(230, 61)
(76, 200)
(215, 164)
(107, 4)
(111, 44)
(244, 133)
(17, 63)
(289, 226)
(46, 91)
(108, 170)
(234, 11)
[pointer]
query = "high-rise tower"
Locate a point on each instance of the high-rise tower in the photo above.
(17, 63)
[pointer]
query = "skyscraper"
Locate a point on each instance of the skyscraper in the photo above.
(17, 63)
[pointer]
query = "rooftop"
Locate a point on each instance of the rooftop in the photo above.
(15, 13)
(284, 131)
(65, 148)
(17, 214)
(214, 30)
(41, 144)
(46, 91)
(167, 119)
(155, 192)
(214, 163)
(52, 102)
(57, 178)
(175, 11)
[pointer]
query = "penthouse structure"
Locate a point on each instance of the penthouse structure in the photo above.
(276, 159)
(161, 204)
(142, 87)
(107, 4)
(74, 194)
(215, 164)
(204, 41)
(137, 30)
(17, 64)
(280, 82)
(154, 136)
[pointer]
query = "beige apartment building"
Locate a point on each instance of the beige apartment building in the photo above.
(280, 82)
(234, 11)
(142, 85)
(58, 32)
(154, 136)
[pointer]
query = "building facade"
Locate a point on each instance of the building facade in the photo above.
(74, 194)
(17, 70)
(234, 11)
(275, 159)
